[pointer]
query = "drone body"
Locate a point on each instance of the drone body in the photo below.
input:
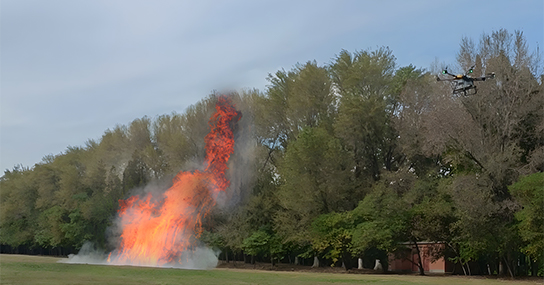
(464, 83)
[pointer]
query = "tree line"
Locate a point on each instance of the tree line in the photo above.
(353, 159)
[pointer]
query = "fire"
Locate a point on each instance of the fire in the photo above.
(158, 230)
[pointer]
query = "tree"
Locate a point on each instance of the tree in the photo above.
(173, 142)
(365, 85)
(417, 130)
(403, 209)
(113, 149)
(313, 182)
(135, 173)
(332, 234)
(529, 193)
(18, 214)
(294, 100)
(263, 242)
(382, 218)
(485, 141)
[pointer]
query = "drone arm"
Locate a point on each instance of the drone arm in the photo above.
(487, 76)
(445, 72)
(450, 74)
(443, 79)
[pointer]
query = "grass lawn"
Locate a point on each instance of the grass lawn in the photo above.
(21, 269)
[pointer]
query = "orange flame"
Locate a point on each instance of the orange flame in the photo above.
(157, 232)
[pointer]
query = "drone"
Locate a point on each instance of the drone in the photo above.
(464, 83)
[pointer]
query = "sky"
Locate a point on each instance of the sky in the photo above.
(70, 70)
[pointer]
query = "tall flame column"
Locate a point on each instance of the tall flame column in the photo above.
(157, 231)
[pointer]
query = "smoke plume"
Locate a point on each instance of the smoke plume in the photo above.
(162, 229)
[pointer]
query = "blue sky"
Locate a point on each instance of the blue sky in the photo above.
(69, 70)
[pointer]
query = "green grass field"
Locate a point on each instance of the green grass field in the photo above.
(21, 269)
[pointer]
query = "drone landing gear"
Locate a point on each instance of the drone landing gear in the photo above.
(466, 92)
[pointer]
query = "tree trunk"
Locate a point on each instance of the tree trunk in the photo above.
(420, 261)
(346, 260)
(463, 267)
(316, 262)
(509, 268)
(378, 265)
(360, 263)
(296, 260)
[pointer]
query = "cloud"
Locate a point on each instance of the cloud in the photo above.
(96, 64)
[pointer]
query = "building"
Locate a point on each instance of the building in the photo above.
(406, 259)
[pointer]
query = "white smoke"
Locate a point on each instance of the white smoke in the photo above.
(88, 254)
(241, 175)
(201, 258)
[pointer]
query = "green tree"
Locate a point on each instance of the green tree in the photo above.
(294, 100)
(263, 242)
(365, 82)
(529, 193)
(313, 182)
(17, 211)
(382, 220)
(332, 234)
(169, 135)
(404, 209)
